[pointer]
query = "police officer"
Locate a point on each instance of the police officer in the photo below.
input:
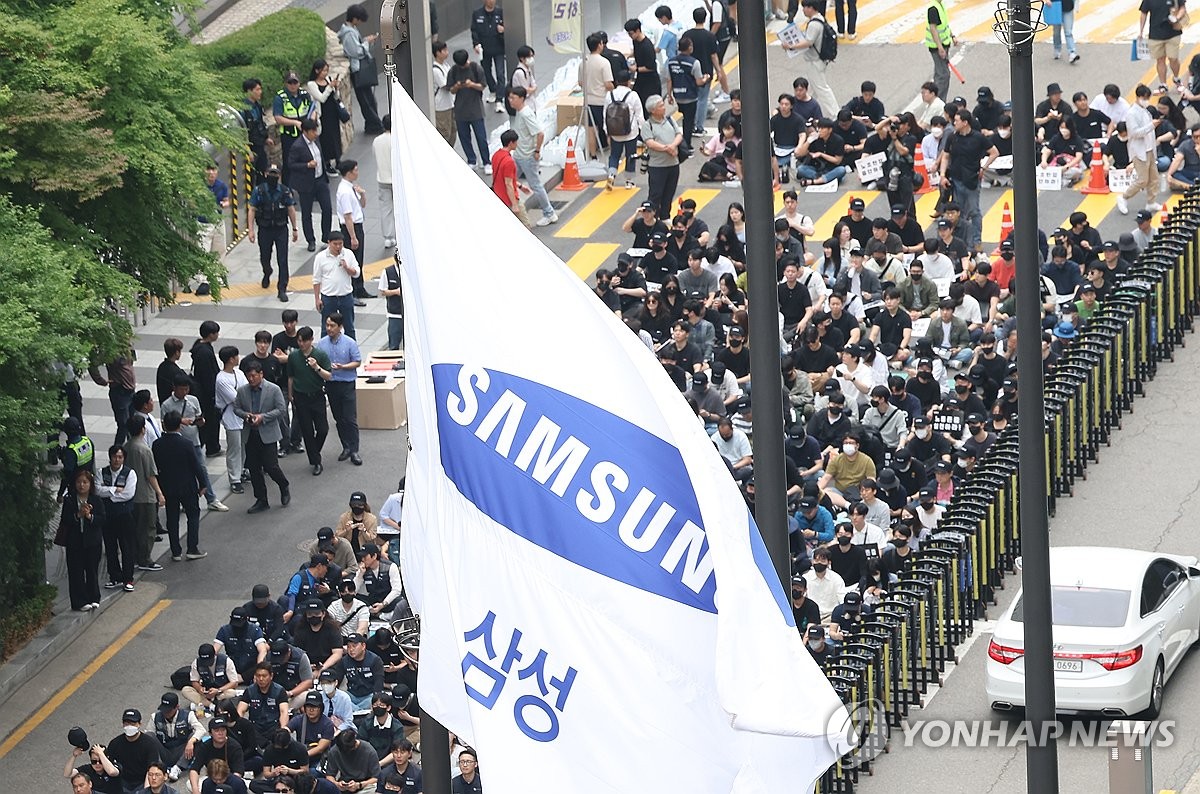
(292, 105)
(272, 207)
(78, 453)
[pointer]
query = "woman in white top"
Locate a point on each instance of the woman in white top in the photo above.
(324, 92)
(523, 76)
(857, 378)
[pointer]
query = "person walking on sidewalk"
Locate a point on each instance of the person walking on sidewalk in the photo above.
(192, 419)
(466, 83)
(939, 39)
(259, 404)
(1142, 161)
(344, 358)
(684, 78)
(362, 66)
(382, 146)
(487, 37)
(443, 97)
(309, 177)
(308, 369)
(350, 202)
(272, 208)
(333, 272)
(182, 477)
(624, 144)
(504, 176)
(204, 373)
(229, 380)
(529, 150)
(814, 35)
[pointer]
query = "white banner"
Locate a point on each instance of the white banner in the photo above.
(596, 602)
(1119, 179)
(566, 27)
(870, 167)
(1049, 178)
(790, 36)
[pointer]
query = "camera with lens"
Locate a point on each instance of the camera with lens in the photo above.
(893, 183)
(645, 160)
(895, 126)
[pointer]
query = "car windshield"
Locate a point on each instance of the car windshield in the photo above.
(1090, 607)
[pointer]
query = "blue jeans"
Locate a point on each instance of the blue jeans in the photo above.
(528, 168)
(968, 200)
(209, 496)
(619, 149)
(465, 128)
(395, 332)
(339, 303)
(808, 172)
(1067, 27)
(1164, 163)
(121, 401)
(702, 94)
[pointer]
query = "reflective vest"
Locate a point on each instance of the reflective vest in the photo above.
(181, 733)
(292, 110)
(683, 82)
(84, 452)
(943, 28)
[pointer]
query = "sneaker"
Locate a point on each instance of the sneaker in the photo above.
(217, 505)
(174, 772)
(487, 169)
(1154, 207)
(629, 185)
(1058, 56)
(547, 220)
(699, 131)
(236, 488)
(853, 36)
(732, 183)
(1122, 205)
(1162, 89)
(111, 584)
(1074, 57)
(151, 567)
(499, 106)
(1178, 80)
(129, 587)
(196, 555)
(176, 558)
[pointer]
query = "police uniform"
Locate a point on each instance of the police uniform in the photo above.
(297, 107)
(272, 204)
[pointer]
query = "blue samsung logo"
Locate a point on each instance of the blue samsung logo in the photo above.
(576, 480)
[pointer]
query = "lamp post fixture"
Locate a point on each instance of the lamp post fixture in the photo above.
(1017, 22)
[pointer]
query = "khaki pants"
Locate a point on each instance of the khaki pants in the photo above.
(1145, 177)
(444, 121)
(143, 529)
(212, 238)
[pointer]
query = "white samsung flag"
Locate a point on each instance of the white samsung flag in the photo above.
(598, 611)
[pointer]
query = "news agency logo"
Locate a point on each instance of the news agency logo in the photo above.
(863, 727)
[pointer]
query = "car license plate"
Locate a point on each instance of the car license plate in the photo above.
(1068, 665)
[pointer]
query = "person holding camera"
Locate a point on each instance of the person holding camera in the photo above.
(898, 133)
(358, 524)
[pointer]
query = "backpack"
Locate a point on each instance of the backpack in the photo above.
(618, 119)
(828, 50)
(507, 105)
(181, 677)
(727, 29)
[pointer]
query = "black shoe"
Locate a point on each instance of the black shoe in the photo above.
(312, 246)
(266, 281)
(283, 298)
(355, 459)
(285, 496)
(297, 448)
(360, 303)
(259, 506)
(112, 584)
(363, 295)
(237, 488)
(214, 453)
(344, 456)
(317, 469)
(282, 453)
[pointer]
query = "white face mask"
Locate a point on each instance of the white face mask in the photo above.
(850, 449)
(329, 689)
(528, 61)
(131, 730)
(937, 131)
(1004, 133)
(923, 433)
(1143, 102)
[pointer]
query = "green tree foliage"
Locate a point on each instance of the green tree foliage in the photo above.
(289, 39)
(55, 303)
(101, 124)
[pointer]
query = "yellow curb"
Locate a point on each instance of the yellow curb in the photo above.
(253, 289)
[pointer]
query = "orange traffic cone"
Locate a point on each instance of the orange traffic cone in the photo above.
(1097, 180)
(919, 168)
(570, 177)
(1162, 217)
(1006, 227)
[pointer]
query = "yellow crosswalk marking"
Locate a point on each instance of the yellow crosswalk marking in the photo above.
(995, 216)
(823, 226)
(701, 195)
(591, 256)
(926, 203)
(1096, 206)
(1116, 25)
(596, 212)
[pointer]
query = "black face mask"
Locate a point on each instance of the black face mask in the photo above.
(315, 620)
(843, 540)
(928, 505)
(960, 388)
(900, 543)
(835, 410)
(379, 711)
(975, 428)
(347, 597)
(798, 595)
(1007, 256)
(273, 180)
(916, 276)
(657, 246)
(679, 232)
(820, 567)
(669, 291)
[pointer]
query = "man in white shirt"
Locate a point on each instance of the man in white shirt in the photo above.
(864, 531)
(389, 523)
(229, 380)
(937, 265)
(333, 272)
(143, 406)
(350, 202)
(1142, 144)
(734, 446)
(443, 99)
(928, 106)
(382, 145)
(825, 586)
(596, 80)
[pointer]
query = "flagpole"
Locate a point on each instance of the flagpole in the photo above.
(435, 755)
(770, 486)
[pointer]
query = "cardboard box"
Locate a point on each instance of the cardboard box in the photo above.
(570, 111)
(381, 406)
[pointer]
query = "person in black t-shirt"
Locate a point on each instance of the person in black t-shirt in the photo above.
(804, 610)
(682, 239)
(795, 302)
(857, 220)
(821, 156)
(646, 82)
(681, 357)
(853, 134)
(815, 357)
(866, 107)
(604, 290)
(987, 111)
(787, 129)
(952, 246)
(628, 284)
(133, 751)
(891, 329)
(643, 223)
(1090, 124)
(736, 356)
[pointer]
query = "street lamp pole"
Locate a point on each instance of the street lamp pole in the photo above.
(770, 482)
(1017, 22)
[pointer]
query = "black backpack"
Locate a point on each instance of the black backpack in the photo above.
(827, 52)
(181, 677)
(618, 120)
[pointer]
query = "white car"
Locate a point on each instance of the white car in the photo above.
(1123, 620)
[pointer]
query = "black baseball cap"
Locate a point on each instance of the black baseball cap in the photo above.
(857, 204)
(944, 466)
(658, 237)
(358, 499)
(899, 209)
(260, 592)
(169, 699)
(1143, 215)
(131, 715)
(919, 421)
(928, 493)
(313, 699)
(736, 330)
(808, 503)
(325, 533)
(647, 205)
(206, 653)
(853, 601)
(356, 637)
(279, 649)
(816, 632)
(218, 722)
